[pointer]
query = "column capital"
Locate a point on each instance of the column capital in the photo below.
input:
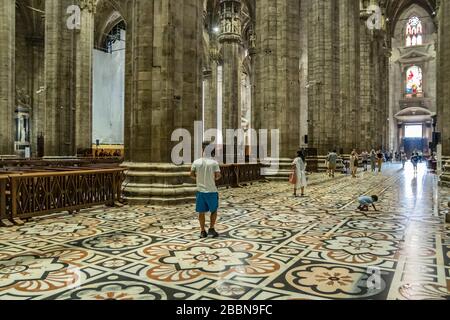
(230, 21)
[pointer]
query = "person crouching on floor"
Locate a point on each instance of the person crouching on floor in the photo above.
(365, 202)
(206, 171)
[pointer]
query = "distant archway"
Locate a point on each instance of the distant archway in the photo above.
(109, 80)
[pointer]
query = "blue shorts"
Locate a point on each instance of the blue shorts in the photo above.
(207, 202)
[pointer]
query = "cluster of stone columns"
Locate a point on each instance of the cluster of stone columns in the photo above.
(7, 75)
(163, 93)
(374, 86)
(230, 39)
(349, 75)
(323, 75)
(84, 76)
(348, 79)
(64, 116)
(67, 119)
(277, 77)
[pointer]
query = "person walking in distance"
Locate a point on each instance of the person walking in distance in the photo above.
(354, 163)
(404, 158)
(380, 158)
(365, 160)
(373, 160)
(332, 163)
(299, 167)
(206, 171)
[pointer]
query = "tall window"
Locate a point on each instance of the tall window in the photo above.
(414, 32)
(414, 81)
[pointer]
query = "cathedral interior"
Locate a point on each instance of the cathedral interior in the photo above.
(105, 104)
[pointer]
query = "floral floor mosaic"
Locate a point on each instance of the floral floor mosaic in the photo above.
(272, 247)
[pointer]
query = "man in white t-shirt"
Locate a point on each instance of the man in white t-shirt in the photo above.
(206, 171)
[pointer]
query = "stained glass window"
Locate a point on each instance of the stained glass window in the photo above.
(414, 32)
(414, 81)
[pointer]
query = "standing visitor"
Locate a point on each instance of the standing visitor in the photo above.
(373, 160)
(206, 171)
(365, 159)
(354, 163)
(404, 158)
(380, 158)
(299, 167)
(415, 161)
(332, 163)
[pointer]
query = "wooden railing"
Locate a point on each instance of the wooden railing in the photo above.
(235, 175)
(4, 203)
(29, 195)
(76, 162)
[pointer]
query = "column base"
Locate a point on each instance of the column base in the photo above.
(158, 184)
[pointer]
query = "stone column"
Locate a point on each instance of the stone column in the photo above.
(230, 38)
(376, 97)
(210, 90)
(277, 59)
(367, 128)
(84, 63)
(252, 51)
(163, 93)
(349, 14)
(443, 79)
(384, 94)
(60, 57)
(277, 62)
(38, 92)
(323, 75)
(7, 75)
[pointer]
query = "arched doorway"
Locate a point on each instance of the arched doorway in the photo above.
(415, 128)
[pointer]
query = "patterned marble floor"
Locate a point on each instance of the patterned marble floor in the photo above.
(273, 247)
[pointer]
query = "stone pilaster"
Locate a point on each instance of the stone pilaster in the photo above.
(443, 79)
(230, 38)
(323, 75)
(349, 14)
(60, 57)
(7, 75)
(84, 64)
(277, 61)
(163, 93)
